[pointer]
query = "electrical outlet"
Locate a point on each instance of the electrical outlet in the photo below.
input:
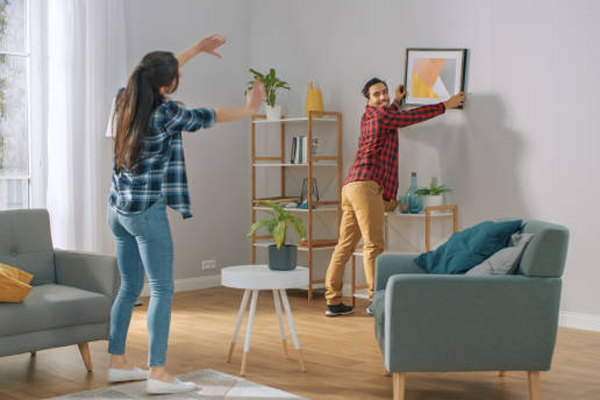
(209, 264)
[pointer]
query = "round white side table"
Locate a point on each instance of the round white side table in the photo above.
(253, 278)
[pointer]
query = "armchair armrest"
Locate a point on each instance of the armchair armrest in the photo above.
(94, 272)
(391, 264)
(459, 323)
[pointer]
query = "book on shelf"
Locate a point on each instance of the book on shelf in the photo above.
(299, 154)
(293, 153)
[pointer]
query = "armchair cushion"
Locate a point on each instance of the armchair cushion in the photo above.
(467, 248)
(54, 306)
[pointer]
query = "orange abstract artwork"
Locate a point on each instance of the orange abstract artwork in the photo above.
(425, 77)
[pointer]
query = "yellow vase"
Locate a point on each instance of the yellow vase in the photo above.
(314, 100)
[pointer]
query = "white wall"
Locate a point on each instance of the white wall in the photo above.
(217, 159)
(526, 144)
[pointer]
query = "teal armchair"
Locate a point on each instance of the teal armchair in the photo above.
(72, 292)
(439, 323)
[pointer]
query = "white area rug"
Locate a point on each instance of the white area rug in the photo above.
(213, 385)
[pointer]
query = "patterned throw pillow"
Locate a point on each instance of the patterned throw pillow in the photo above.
(14, 284)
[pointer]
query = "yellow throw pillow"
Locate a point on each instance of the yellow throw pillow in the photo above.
(14, 284)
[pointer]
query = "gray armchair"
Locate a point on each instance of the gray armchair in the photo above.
(72, 291)
(439, 323)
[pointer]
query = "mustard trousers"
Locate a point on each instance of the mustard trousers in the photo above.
(363, 211)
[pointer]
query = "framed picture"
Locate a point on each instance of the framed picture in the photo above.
(434, 75)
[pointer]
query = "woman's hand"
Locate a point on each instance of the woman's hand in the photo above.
(210, 43)
(255, 96)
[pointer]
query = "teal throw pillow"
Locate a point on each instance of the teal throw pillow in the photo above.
(468, 248)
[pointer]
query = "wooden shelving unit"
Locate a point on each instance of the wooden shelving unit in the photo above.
(313, 162)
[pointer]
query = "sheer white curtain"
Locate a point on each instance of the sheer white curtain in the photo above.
(86, 63)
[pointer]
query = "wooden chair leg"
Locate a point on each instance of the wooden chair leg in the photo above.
(399, 385)
(33, 353)
(84, 349)
(534, 385)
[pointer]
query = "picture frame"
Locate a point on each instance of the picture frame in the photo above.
(433, 75)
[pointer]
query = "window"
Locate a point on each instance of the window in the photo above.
(14, 105)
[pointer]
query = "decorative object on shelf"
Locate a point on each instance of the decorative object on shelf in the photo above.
(282, 256)
(403, 205)
(314, 99)
(314, 146)
(272, 84)
(413, 200)
(433, 195)
(304, 193)
(434, 75)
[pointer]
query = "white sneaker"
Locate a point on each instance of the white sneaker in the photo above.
(154, 386)
(124, 375)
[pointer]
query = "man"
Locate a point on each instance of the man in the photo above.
(372, 182)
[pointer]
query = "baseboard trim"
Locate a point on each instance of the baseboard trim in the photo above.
(588, 322)
(199, 282)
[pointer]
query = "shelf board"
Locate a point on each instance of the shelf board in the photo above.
(321, 164)
(267, 244)
(420, 215)
(294, 119)
(362, 294)
(318, 243)
(359, 252)
(300, 210)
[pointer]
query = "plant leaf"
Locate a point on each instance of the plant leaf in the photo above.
(256, 226)
(279, 233)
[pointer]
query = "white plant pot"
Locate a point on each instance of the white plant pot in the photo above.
(273, 113)
(430, 201)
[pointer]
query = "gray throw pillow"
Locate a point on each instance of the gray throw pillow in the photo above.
(505, 261)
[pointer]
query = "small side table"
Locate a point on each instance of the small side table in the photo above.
(253, 278)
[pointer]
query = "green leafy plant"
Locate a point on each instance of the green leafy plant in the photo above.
(278, 225)
(432, 190)
(272, 84)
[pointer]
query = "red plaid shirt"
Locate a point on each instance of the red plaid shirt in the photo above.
(377, 155)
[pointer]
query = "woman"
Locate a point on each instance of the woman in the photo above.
(148, 175)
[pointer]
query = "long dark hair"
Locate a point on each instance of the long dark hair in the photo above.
(137, 102)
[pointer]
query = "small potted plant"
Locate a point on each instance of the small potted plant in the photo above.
(272, 84)
(282, 256)
(432, 195)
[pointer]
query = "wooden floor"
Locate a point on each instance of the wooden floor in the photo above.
(341, 354)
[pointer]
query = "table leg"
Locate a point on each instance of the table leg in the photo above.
(279, 317)
(240, 317)
(290, 318)
(249, 331)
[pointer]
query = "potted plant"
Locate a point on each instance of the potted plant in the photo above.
(282, 256)
(272, 84)
(432, 195)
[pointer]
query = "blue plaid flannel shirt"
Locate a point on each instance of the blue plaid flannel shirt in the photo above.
(161, 168)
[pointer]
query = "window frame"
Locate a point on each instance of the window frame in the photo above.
(26, 55)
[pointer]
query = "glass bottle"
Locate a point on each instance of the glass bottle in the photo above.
(412, 198)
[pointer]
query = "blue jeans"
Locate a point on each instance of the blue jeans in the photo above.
(144, 243)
